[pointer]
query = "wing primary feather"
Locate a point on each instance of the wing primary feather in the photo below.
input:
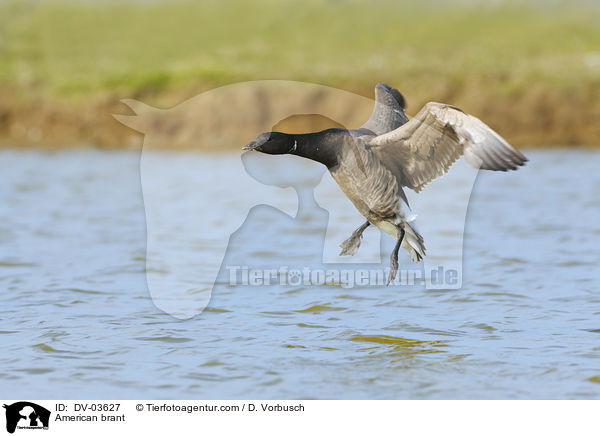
(428, 145)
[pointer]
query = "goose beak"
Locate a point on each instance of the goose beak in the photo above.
(252, 146)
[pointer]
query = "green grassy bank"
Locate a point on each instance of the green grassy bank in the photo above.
(531, 70)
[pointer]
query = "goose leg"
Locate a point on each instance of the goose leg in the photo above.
(350, 245)
(394, 257)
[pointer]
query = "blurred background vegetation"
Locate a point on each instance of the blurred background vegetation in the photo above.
(529, 69)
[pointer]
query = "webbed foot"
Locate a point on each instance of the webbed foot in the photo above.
(350, 245)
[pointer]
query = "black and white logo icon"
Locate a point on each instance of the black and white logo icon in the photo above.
(26, 415)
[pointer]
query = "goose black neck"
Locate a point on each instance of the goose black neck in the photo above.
(321, 146)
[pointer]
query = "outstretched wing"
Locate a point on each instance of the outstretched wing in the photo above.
(426, 147)
(388, 113)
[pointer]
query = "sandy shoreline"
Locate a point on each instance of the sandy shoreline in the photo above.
(541, 116)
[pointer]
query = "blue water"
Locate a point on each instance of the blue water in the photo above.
(77, 319)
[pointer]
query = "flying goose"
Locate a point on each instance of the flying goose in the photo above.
(373, 163)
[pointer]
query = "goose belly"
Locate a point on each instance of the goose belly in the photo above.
(375, 200)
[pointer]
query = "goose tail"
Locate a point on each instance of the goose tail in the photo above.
(413, 242)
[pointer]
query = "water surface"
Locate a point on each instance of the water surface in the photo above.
(77, 319)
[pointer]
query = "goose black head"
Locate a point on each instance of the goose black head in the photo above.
(272, 143)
